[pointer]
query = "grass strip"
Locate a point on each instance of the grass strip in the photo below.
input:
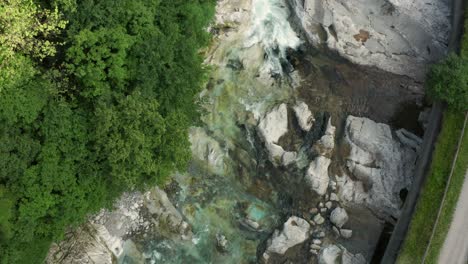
(425, 214)
(450, 203)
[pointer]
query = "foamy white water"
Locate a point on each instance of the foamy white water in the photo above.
(271, 29)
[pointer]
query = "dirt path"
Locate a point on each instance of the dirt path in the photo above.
(455, 249)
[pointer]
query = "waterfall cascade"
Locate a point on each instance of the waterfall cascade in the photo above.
(271, 29)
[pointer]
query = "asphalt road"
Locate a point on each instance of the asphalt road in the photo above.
(455, 249)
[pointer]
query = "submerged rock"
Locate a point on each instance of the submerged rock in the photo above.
(401, 37)
(221, 243)
(317, 175)
(295, 231)
(207, 149)
(251, 224)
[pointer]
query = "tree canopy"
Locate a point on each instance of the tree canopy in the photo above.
(96, 97)
(448, 81)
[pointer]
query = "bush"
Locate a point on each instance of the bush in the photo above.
(448, 81)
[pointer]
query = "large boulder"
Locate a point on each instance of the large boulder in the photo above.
(330, 255)
(339, 217)
(383, 164)
(271, 128)
(274, 124)
(398, 36)
(337, 254)
(295, 231)
(317, 175)
(325, 145)
(350, 191)
(304, 116)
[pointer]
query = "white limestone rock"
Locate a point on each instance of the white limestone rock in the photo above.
(315, 247)
(317, 175)
(295, 231)
(318, 219)
(271, 128)
(325, 145)
(334, 197)
(350, 191)
(350, 258)
(409, 139)
(346, 233)
(275, 152)
(304, 116)
(339, 217)
(274, 124)
(399, 36)
(288, 157)
(337, 254)
(330, 255)
(382, 163)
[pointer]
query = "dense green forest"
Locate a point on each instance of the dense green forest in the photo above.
(96, 97)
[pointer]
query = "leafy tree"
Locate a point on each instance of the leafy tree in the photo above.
(28, 28)
(448, 81)
(96, 98)
(6, 207)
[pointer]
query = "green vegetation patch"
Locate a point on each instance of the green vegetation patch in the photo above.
(96, 98)
(448, 207)
(428, 204)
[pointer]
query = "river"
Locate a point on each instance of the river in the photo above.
(232, 189)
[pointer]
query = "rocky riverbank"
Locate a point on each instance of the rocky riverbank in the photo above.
(401, 37)
(302, 155)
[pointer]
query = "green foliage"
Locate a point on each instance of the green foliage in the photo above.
(23, 93)
(98, 60)
(6, 207)
(91, 110)
(28, 28)
(448, 81)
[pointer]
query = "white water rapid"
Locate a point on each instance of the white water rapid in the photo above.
(271, 29)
